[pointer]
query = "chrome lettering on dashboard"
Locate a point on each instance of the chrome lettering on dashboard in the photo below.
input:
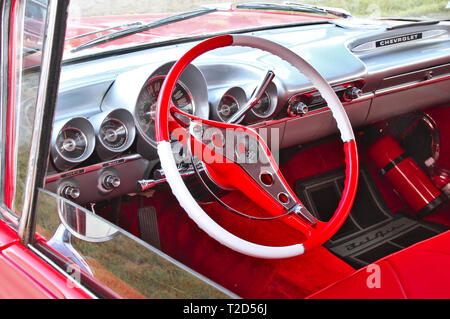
(114, 163)
(397, 40)
(72, 173)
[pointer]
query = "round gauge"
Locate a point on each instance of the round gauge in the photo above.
(263, 107)
(227, 107)
(146, 105)
(113, 133)
(71, 143)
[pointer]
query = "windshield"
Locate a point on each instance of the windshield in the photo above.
(97, 26)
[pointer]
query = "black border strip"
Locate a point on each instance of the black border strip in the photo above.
(431, 206)
(393, 163)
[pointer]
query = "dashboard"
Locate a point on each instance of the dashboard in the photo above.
(104, 139)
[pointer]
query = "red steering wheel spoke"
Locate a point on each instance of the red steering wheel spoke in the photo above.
(237, 157)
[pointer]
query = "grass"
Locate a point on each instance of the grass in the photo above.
(388, 8)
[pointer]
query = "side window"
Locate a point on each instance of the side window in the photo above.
(90, 247)
(26, 43)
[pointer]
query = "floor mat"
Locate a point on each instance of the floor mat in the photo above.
(370, 232)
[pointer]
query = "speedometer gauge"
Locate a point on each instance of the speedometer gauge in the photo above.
(146, 105)
(71, 143)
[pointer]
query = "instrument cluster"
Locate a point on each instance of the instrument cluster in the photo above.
(238, 97)
(108, 134)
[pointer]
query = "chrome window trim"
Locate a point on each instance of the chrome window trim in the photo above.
(5, 19)
(6, 6)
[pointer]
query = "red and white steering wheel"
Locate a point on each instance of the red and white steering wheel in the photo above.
(244, 162)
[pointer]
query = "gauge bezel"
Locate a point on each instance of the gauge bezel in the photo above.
(238, 95)
(67, 128)
(229, 96)
(126, 92)
(101, 140)
(180, 83)
(85, 127)
(271, 92)
(122, 116)
(145, 87)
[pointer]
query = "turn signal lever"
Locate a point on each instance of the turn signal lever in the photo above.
(144, 185)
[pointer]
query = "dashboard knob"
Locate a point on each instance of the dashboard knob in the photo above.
(70, 192)
(428, 75)
(352, 93)
(111, 182)
(298, 108)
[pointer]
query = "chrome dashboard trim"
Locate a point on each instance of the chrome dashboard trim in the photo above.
(364, 97)
(91, 168)
(408, 86)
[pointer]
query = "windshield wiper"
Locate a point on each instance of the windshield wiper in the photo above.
(151, 25)
(104, 29)
(295, 7)
(413, 24)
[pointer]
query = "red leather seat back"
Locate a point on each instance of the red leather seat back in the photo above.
(420, 271)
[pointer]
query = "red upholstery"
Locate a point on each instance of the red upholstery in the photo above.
(420, 271)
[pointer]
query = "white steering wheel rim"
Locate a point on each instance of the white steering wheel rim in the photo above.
(190, 205)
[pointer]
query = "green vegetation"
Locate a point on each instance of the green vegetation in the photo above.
(388, 8)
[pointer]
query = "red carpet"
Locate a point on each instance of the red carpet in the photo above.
(246, 276)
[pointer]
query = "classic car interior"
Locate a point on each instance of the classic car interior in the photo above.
(392, 78)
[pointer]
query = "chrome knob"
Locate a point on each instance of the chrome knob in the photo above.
(298, 108)
(352, 93)
(111, 181)
(70, 192)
